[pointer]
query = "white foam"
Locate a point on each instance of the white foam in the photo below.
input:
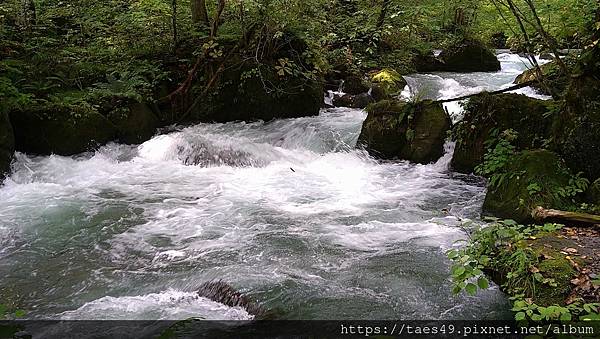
(166, 305)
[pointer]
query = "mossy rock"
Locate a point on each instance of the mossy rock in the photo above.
(60, 129)
(533, 178)
(390, 81)
(7, 144)
(248, 92)
(487, 113)
(553, 265)
(555, 82)
(469, 56)
(399, 130)
(354, 85)
(353, 101)
(135, 123)
(426, 61)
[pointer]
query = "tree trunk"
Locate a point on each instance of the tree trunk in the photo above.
(383, 13)
(199, 12)
(538, 70)
(550, 41)
(541, 214)
(174, 24)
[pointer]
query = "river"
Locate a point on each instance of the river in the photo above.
(287, 211)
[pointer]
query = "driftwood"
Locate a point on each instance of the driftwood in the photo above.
(541, 214)
(512, 88)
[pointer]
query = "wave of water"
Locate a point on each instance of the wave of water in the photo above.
(288, 212)
(448, 85)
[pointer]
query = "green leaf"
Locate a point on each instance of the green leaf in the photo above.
(565, 317)
(471, 289)
(483, 283)
(520, 316)
(458, 270)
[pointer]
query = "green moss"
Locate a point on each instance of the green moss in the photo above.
(531, 179)
(553, 265)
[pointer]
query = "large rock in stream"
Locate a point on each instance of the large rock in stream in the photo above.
(554, 81)
(407, 131)
(64, 129)
(60, 129)
(488, 115)
(532, 178)
(7, 144)
(248, 92)
(465, 56)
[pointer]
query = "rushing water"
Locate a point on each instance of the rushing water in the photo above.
(287, 211)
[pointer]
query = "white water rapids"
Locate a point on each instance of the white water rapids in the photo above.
(288, 212)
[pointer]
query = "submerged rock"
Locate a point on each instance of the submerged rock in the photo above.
(204, 154)
(60, 129)
(469, 56)
(488, 114)
(532, 178)
(7, 144)
(223, 293)
(399, 130)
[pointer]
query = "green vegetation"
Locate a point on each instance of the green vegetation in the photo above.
(528, 263)
(76, 74)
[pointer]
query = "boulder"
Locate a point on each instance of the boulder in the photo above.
(379, 92)
(391, 81)
(407, 131)
(248, 92)
(135, 122)
(426, 62)
(498, 40)
(352, 101)
(7, 144)
(555, 82)
(354, 85)
(469, 56)
(488, 114)
(531, 178)
(60, 129)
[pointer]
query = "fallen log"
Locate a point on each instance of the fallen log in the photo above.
(540, 214)
(512, 88)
